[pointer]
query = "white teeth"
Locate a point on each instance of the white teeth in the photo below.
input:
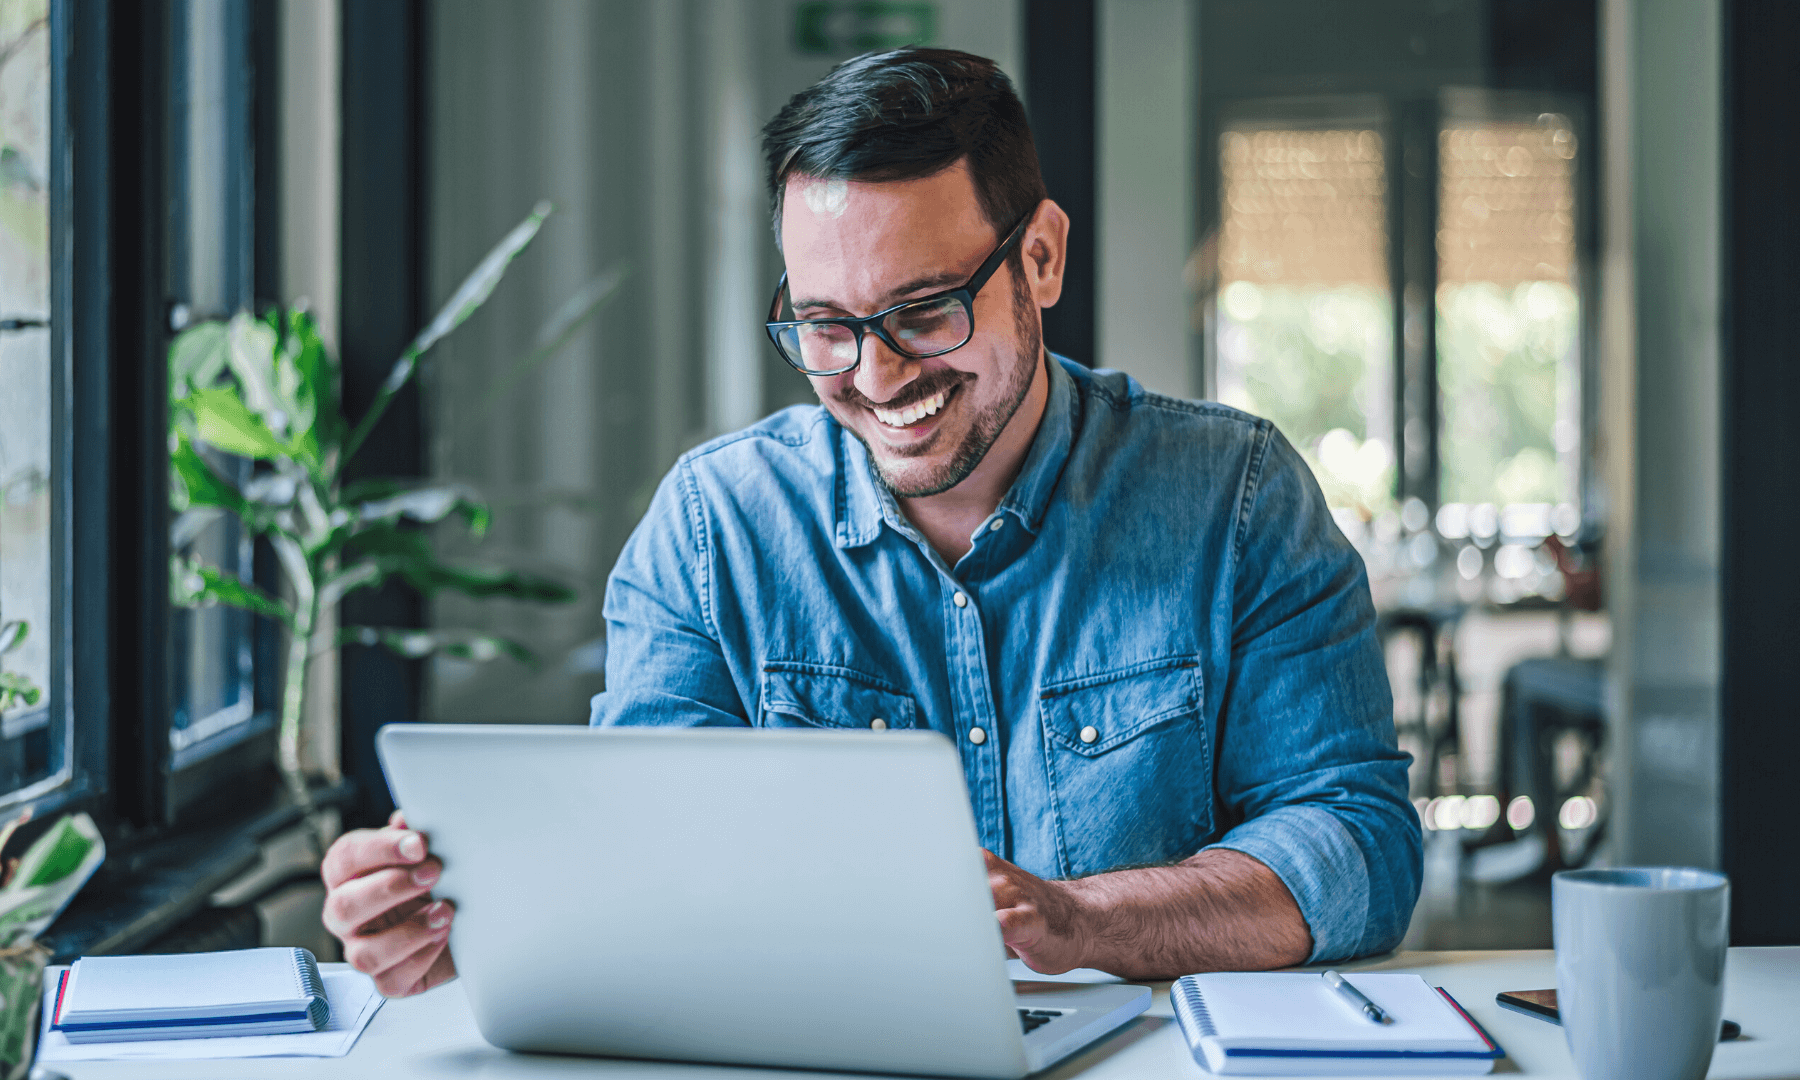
(913, 414)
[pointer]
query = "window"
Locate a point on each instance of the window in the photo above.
(212, 649)
(34, 718)
(1508, 321)
(1305, 320)
(116, 705)
(1456, 219)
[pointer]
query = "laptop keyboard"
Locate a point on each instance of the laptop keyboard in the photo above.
(1032, 1019)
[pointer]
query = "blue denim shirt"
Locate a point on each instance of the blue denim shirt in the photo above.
(1160, 641)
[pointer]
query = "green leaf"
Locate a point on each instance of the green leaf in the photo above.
(386, 541)
(250, 351)
(435, 577)
(193, 583)
(479, 285)
(318, 375)
(201, 486)
(196, 357)
(391, 500)
(413, 644)
(16, 690)
(471, 294)
(222, 420)
(67, 849)
(13, 634)
(409, 555)
(189, 524)
(358, 575)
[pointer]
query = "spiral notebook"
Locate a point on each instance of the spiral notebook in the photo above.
(272, 991)
(1292, 1024)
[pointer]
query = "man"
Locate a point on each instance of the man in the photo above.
(1133, 615)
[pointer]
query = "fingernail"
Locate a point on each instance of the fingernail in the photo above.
(412, 847)
(439, 917)
(425, 875)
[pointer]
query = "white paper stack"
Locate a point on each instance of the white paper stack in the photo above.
(1293, 1024)
(353, 999)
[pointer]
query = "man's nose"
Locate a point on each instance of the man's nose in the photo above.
(882, 371)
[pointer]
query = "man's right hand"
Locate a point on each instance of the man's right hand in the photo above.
(378, 903)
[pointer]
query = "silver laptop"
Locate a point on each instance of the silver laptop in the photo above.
(806, 898)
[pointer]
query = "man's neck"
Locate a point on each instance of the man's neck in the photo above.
(949, 519)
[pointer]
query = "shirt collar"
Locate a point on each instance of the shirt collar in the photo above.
(1030, 494)
(861, 504)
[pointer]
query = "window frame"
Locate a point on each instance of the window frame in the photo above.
(109, 331)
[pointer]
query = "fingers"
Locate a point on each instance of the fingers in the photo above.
(397, 820)
(1020, 927)
(352, 905)
(401, 980)
(391, 950)
(1006, 881)
(357, 853)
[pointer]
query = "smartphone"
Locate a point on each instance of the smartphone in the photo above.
(1542, 1004)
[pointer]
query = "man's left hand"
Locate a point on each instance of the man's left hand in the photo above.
(1040, 921)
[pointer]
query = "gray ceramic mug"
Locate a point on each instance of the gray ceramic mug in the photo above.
(1640, 969)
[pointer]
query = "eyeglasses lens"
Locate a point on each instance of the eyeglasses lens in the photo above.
(819, 346)
(929, 328)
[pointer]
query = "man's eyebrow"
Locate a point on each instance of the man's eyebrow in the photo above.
(932, 282)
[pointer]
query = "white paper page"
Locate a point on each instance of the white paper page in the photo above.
(190, 984)
(353, 998)
(1296, 1010)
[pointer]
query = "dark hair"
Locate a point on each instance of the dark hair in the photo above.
(906, 114)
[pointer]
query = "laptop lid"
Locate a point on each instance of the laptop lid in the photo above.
(813, 899)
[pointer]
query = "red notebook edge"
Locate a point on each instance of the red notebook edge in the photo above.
(1472, 1022)
(62, 984)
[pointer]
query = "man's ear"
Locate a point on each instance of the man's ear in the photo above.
(1046, 253)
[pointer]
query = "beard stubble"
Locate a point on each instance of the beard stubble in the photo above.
(987, 425)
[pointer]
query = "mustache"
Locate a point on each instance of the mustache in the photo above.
(923, 388)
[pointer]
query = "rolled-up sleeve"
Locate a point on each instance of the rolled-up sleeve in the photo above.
(1308, 770)
(664, 662)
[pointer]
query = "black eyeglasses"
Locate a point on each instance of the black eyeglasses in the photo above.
(929, 326)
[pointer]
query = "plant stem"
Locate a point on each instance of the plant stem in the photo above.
(293, 710)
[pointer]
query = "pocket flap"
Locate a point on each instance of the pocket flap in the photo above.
(824, 695)
(1092, 715)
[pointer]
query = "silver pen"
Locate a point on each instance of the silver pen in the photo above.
(1375, 1013)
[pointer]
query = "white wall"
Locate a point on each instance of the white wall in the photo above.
(310, 131)
(1147, 62)
(1661, 109)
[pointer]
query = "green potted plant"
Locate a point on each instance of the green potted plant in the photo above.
(15, 689)
(266, 389)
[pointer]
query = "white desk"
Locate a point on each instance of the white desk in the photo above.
(433, 1035)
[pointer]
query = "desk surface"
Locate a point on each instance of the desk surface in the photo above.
(434, 1036)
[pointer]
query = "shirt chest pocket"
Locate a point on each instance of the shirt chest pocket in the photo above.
(1130, 766)
(825, 696)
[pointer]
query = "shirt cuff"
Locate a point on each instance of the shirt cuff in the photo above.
(1320, 862)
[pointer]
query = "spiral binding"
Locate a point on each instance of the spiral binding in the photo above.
(1190, 1009)
(312, 986)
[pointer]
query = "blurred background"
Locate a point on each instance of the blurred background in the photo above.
(1509, 273)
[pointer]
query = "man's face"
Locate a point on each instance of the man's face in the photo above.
(857, 248)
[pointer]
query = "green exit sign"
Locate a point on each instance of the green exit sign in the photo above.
(855, 26)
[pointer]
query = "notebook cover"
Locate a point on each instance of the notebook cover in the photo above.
(205, 993)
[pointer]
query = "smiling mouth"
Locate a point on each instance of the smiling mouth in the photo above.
(912, 414)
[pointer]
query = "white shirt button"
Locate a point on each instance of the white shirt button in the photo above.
(1089, 733)
(977, 736)
(881, 725)
(961, 600)
(999, 523)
